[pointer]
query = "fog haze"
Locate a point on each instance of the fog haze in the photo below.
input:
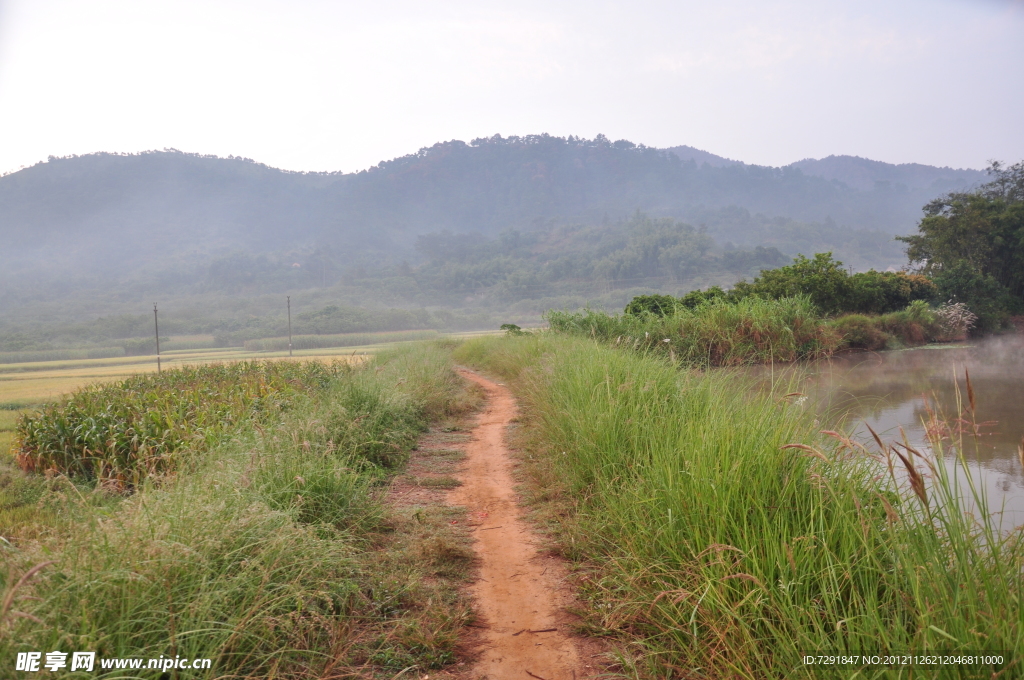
(340, 86)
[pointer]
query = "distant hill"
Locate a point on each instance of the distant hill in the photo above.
(864, 174)
(688, 153)
(860, 173)
(162, 221)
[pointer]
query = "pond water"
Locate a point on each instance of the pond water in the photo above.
(890, 390)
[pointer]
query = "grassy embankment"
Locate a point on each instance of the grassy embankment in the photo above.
(256, 533)
(711, 550)
(754, 330)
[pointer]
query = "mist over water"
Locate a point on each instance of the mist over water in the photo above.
(894, 390)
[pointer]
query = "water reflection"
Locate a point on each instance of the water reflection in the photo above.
(894, 389)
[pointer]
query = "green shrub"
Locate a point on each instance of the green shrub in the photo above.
(834, 291)
(860, 332)
(822, 280)
(982, 293)
(915, 325)
(658, 305)
(695, 298)
(874, 292)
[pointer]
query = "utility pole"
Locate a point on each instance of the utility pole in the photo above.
(289, 325)
(156, 325)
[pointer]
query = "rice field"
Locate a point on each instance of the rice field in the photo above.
(23, 386)
(135, 428)
(26, 386)
(336, 340)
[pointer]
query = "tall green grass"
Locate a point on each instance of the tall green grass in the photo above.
(256, 555)
(336, 340)
(915, 325)
(122, 432)
(715, 333)
(722, 536)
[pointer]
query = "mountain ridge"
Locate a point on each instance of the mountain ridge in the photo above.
(107, 221)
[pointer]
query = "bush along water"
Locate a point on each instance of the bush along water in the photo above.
(716, 332)
(811, 308)
(719, 534)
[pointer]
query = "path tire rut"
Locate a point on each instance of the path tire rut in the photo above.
(520, 594)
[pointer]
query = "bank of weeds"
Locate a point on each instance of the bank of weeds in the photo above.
(716, 333)
(754, 330)
(712, 551)
(270, 552)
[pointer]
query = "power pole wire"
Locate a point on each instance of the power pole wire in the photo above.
(156, 325)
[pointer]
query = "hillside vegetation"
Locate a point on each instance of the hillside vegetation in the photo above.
(184, 224)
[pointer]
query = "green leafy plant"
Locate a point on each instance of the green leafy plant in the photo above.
(121, 433)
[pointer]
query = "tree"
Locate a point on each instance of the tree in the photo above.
(972, 245)
(659, 305)
(822, 279)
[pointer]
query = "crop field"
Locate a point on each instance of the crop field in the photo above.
(336, 340)
(25, 386)
(304, 449)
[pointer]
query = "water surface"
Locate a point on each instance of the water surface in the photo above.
(890, 390)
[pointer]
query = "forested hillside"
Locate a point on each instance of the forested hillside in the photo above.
(492, 221)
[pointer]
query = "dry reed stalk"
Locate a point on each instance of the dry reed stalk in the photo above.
(718, 548)
(910, 449)
(5, 607)
(809, 449)
(789, 556)
(745, 577)
(916, 480)
(890, 512)
(884, 449)
(936, 429)
(970, 393)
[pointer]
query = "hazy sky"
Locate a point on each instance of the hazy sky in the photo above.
(318, 85)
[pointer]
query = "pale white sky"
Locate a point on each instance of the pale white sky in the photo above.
(322, 85)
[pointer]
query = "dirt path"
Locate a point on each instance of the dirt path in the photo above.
(518, 594)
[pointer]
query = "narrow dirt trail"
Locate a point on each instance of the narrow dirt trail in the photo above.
(518, 594)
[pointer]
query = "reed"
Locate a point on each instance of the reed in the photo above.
(720, 534)
(715, 333)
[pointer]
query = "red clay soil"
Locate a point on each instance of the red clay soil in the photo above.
(520, 595)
